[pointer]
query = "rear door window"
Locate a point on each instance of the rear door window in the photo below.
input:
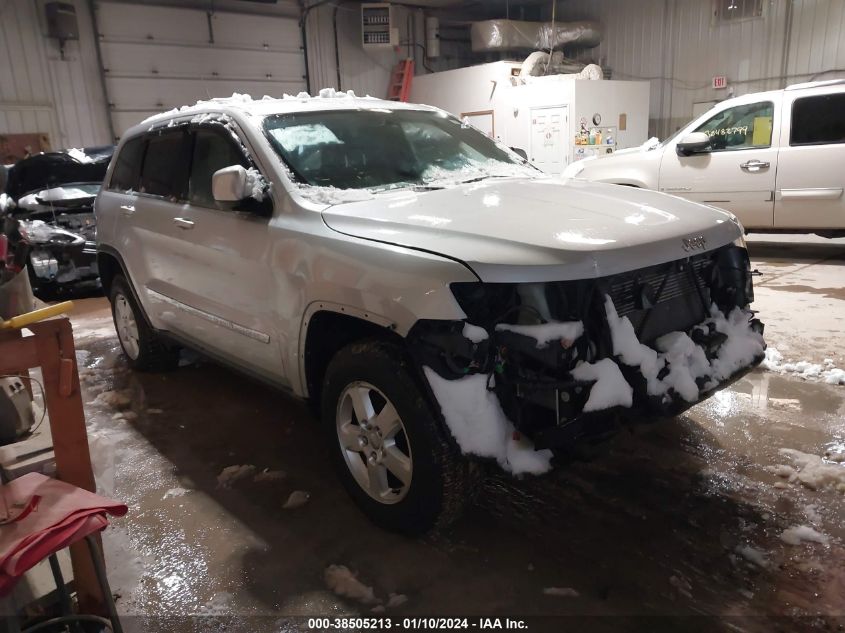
(818, 120)
(213, 150)
(127, 166)
(164, 172)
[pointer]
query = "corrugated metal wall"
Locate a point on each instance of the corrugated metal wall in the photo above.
(365, 72)
(679, 46)
(39, 92)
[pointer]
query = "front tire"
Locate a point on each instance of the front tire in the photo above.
(143, 348)
(392, 456)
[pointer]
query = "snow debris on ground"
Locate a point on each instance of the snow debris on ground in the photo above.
(6, 203)
(563, 592)
(812, 471)
(610, 389)
(333, 195)
(794, 535)
(269, 475)
(396, 600)
(296, 499)
(812, 513)
(475, 333)
(544, 333)
(175, 492)
(826, 372)
(480, 426)
(231, 474)
(342, 582)
(753, 555)
(114, 399)
(681, 585)
(219, 604)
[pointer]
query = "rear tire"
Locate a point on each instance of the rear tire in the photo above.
(397, 462)
(143, 348)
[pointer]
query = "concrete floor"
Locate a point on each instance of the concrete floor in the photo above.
(667, 523)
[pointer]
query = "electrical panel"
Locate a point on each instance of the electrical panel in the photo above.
(377, 29)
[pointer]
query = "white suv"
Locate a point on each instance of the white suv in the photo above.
(772, 158)
(433, 294)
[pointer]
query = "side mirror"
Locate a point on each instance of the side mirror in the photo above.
(230, 184)
(694, 143)
(520, 152)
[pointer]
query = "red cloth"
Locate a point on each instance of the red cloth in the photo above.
(61, 515)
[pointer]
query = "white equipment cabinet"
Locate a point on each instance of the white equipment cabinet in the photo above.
(554, 119)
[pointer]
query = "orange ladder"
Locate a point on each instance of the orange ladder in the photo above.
(400, 81)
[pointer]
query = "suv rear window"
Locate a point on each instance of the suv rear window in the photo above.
(818, 120)
(165, 165)
(127, 166)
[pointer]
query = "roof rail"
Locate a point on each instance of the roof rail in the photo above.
(816, 84)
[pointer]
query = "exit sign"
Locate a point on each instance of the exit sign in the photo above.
(720, 81)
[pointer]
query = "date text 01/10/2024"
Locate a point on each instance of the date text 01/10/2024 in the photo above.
(416, 624)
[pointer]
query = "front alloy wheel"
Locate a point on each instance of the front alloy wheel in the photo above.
(393, 457)
(374, 443)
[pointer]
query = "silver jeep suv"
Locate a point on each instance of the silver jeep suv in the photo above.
(441, 301)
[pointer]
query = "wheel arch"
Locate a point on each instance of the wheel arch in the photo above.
(326, 329)
(110, 264)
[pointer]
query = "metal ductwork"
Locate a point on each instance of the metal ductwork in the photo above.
(514, 35)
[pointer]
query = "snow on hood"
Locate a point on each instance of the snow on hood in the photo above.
(539, 229)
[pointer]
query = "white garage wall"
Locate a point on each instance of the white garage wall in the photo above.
(679, 47)
(39, 92)
(365, 72)
(157, 58)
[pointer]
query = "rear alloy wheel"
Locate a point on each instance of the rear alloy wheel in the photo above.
(127, 327)
(392, 455)
(144, 349)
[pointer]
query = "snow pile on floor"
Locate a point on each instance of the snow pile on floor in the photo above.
(341, 581)
(6, 203)
(114, 399)
(296, 499)
(564, 592)
(479, 425)
(753, 555)
(333, 195)
(175, 492)
(826, 372)
(610, 389)
(566, 332)
(794, 535)
(474, 333)
(269, 475)
(231, 474)
(685, 360)
(812, 471)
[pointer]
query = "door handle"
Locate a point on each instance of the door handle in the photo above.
(128, 209)
(183, 223)
(754, 165)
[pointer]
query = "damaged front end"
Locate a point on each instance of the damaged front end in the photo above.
(54, 197)
(562, 357)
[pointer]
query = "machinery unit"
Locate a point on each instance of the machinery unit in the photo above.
(377, 28)
(555, 119)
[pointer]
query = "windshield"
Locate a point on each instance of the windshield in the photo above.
(382, 149)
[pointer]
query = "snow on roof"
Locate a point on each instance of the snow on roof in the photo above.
(326, 99)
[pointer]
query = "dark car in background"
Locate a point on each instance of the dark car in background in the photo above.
(51, 195)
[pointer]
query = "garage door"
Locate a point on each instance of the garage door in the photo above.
(159, 58)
